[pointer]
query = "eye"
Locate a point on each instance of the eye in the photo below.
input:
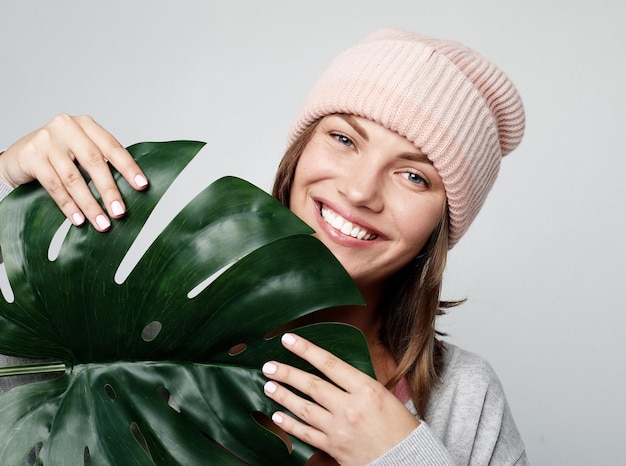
(343, 139)
(416, 179)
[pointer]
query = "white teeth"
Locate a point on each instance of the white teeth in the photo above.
(344, 226)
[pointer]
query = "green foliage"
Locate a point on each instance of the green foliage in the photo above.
(153, 374)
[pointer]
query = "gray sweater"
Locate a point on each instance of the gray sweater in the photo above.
(467, 421)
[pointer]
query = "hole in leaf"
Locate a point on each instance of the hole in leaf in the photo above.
(264, 421)
(86, 457)
(134, 429)
(151, 331)
(5, 285)
(33, 454)
(199, 288)
(57, 240)
(237, 349)
(108, 389)
(215, 442)
(166, 396)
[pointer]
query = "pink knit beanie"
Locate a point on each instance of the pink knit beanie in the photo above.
(459, 109)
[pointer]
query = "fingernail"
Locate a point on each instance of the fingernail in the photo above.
(288, 339)
(270, 387)
(141, 181)
(102, 222)
(277, 418)
(269, 368)
(117, 208)
(78, 218)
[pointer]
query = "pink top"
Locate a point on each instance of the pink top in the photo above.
(402, 391)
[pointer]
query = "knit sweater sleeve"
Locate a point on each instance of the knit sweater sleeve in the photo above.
(420, 447)
(467, 422)
(5, 189)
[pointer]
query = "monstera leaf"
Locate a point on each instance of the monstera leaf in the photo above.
(162, 363)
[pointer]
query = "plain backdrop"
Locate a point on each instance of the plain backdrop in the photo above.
(542, 267)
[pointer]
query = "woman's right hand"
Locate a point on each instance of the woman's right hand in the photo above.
(51, 154)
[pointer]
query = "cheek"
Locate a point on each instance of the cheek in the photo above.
(310, 169)
(300, 171)
(417, 224)
(316, 162)
(297, 185)
(299, 190)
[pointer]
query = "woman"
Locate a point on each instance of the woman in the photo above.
(389, 162)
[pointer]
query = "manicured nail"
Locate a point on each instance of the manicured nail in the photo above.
(117, 208)
(78, 218)
(270, 387)
(269, 368)
(141, 181)
(102, 222)
(277, 418)
(288, 339)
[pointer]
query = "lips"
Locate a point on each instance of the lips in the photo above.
(345, 226)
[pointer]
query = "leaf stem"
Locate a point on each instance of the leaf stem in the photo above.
(38, 368)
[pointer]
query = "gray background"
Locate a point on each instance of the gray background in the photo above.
(543, 265)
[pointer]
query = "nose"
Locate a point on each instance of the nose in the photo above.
(362, 186)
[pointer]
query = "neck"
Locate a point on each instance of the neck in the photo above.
(365, 318)
(369, 321)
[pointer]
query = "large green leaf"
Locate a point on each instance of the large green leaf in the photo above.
(164, 367)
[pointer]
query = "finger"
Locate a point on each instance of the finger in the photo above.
(340, 372)
(307, 410)
(325, 394)
(306, 433)
(114, 152)
(51, 182)
(70, 191)
(65, 141)
(316, 418)
(43, 155)
(90, 157)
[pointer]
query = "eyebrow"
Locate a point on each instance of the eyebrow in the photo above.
(416, 157)
(411, 156)
(355, 125)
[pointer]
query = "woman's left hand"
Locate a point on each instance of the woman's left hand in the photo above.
(355, 421)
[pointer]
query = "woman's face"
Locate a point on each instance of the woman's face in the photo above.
(370, 195)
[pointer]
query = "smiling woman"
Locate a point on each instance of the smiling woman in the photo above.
(400, 141)
(355, 175)
(389, 161)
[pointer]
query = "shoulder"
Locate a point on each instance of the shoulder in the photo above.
(469, 412)
(469, 384)
(463, 367)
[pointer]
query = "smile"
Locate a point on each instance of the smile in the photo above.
(344, 226)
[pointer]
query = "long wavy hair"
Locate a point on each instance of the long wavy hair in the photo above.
(411, 300)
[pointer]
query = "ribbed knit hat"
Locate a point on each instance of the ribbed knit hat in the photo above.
(458, 108)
